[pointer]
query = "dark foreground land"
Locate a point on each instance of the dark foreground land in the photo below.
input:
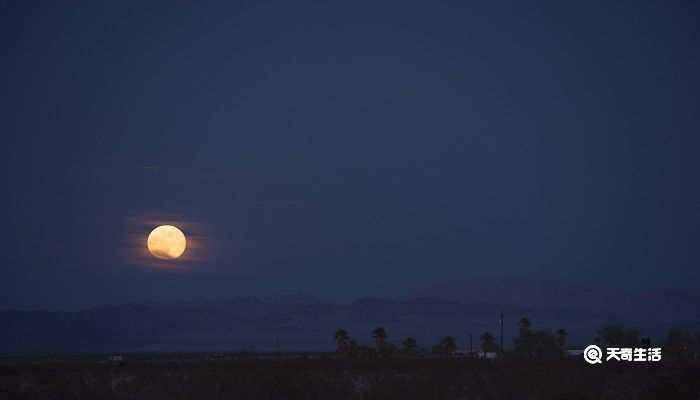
(198, 377)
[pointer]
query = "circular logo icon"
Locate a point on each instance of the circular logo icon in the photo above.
(593, 354)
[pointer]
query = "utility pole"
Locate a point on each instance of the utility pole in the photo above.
(471, 348)
(501, 331)
(278, 347)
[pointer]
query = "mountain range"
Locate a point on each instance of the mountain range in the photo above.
(650, 306)
(305, 323)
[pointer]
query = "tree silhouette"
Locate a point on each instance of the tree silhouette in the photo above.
(561, 337)
(409, 346)
(487, 341)
(619, 336)
(341, 335)
(524, 324)
(379, 334)
(448, 345)
(678, 343)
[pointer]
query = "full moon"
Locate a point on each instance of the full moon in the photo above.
(166, 242)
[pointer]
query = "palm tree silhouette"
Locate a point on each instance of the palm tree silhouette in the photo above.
(409, 346)
(379, 334)
(487, 342)
(341, 335)
(524, 324)
(448, 344)
(561, 337)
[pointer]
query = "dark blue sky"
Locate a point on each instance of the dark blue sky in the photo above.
(346, 148)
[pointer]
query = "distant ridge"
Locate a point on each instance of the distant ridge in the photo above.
(653, 306)
(295, 298)
(245, 323)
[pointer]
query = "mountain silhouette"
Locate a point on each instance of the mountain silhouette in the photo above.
(241, 323)
(649, 306)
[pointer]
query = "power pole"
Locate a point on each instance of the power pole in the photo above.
(501, 331)
(471, 348)
(278, 347)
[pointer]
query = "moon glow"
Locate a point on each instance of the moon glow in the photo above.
(166, 242)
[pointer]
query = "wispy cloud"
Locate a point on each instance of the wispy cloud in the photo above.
(201, 240)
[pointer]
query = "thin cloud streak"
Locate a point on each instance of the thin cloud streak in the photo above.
(202, 246)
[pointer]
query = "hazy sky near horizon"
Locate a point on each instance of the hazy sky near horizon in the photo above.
(345, 149)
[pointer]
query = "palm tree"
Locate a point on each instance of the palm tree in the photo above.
(409, 346)
(340, 335)
(487, 341)
(561, 337)
(379, 334)
(524, 324)
(448, 344)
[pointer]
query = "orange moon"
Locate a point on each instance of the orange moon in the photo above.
(166, 242)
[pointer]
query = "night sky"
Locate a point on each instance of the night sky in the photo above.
(345, 149)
